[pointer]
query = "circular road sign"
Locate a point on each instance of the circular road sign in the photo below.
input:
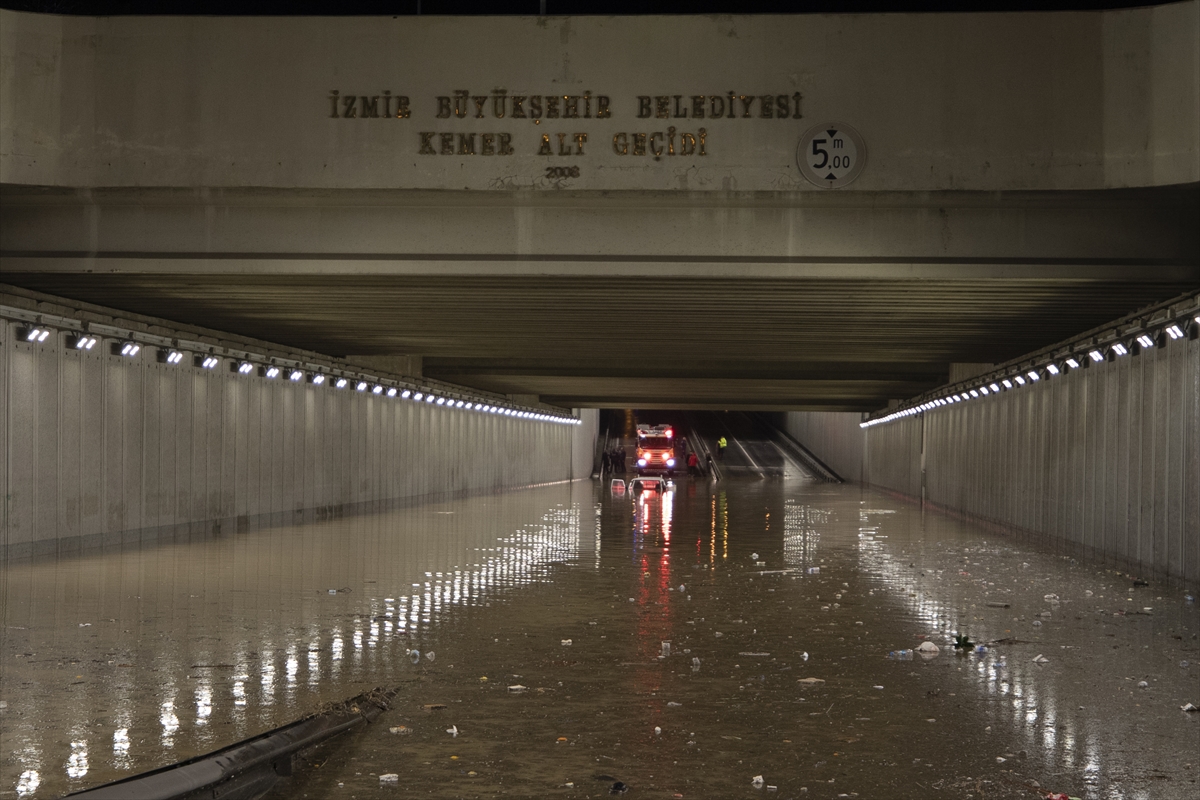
(831, 155)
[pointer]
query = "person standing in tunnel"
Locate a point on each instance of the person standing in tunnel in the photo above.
(721, 445)
(693, 464)
(621, 458)
(605, 463)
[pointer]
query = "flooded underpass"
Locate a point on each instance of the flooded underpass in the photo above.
(736, 638)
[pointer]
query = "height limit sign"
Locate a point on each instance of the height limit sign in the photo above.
(831, 155)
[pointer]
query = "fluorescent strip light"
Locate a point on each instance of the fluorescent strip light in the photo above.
(1145, 341)
(1174, 331)
(1119, 349)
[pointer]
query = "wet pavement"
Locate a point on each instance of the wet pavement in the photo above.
(679, 645)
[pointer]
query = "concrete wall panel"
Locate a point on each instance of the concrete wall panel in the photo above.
(101, 448)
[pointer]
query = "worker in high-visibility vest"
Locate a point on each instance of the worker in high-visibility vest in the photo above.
(721, 445)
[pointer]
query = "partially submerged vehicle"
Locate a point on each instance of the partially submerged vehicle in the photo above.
(655, 449)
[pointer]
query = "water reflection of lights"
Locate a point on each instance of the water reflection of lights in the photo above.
(1030, 702)
(267, 682)
(120, 741)
(526, 556)
(239, 691)
(28, 783)
(203, 703)
(169, 722)
(77, 762)
(801, 531)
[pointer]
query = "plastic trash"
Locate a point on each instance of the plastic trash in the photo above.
(1040, 659)
(666, 649)
(754, 556)
(414, 656)
(430, 656)
(814, 570)
(901, 655)
(980, 649)
(657, 731)
(804, 656)
(566, 642)
(1050, 598)
(400, 730)
(673, 704)
(928, 648)
(389, 779)
(453, 731)
(811, 681)
(1188, 707)
(1143, 685)
(696, 662)
(757, 781)
(515, 688)
(1183, 664)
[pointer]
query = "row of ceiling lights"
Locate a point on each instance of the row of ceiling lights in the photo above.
(127, 348)
(1016, 377)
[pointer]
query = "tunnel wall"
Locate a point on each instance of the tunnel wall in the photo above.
(1103, 461)
(101, 449)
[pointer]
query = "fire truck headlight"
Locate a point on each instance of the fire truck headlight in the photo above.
(641, 462)
(670, 462)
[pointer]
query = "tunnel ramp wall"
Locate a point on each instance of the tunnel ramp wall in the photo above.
(102, 449)
(1104, 462)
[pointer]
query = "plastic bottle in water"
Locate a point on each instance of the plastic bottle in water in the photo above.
(901, 655)
(666, 649)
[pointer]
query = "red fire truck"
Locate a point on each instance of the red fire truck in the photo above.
(655, 449)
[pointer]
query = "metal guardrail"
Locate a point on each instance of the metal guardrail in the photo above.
(248, 769)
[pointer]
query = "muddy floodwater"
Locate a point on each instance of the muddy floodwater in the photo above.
(725, 640)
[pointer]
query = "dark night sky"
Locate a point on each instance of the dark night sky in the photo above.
(555, 7)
